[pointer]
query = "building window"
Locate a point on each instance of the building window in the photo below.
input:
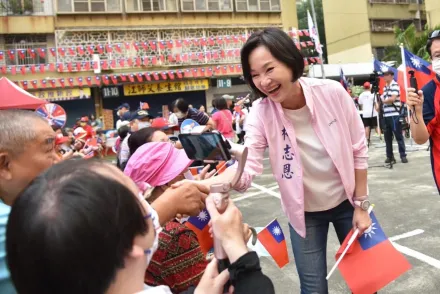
(206, 5)
(383, 25)
(25, 42)
(379, 53)
(82, 6)
(151, 5)
(258, 5)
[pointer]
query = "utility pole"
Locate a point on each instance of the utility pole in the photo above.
(312, 4)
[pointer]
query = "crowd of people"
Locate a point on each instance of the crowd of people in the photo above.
(70, 225)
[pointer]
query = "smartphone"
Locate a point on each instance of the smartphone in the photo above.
(205, 146)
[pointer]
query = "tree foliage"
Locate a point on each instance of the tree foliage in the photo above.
(412, 40)
(302, 8)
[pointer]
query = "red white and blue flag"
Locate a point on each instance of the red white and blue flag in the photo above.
(373, 255)
(199, 225)
(422, 68)
(381, 67)
(272, 238)
(343, 79)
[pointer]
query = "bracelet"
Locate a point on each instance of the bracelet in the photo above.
(360, 198)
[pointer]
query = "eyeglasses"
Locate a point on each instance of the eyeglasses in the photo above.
(434, 34)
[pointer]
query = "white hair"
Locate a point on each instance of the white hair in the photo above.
(17, 128)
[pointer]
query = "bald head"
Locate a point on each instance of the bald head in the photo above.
(17, 128)
(26, 149)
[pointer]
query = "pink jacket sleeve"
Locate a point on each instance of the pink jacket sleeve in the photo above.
(356, 128)
(255, 141)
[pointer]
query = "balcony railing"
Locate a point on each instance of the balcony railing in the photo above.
(397, 1)
(89, 6)
(151, 5)
(207, 5)
(25, 7)
(257, 5)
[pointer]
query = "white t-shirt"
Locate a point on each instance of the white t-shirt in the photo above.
(173, 120)
(323, 188)
(125, 151)
(366, 99)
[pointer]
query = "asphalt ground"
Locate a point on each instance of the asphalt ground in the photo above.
(407, 205)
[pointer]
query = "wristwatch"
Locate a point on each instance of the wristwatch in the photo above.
(362, 202)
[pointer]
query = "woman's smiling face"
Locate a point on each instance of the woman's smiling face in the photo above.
(269, 75)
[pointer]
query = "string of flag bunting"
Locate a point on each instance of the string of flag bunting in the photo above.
(205, 56)
(144, 61)
(115, 79)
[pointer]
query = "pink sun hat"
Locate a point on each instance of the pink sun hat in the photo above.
(155, 164)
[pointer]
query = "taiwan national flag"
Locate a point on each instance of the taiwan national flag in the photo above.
(373, 255)
(272, 238)
(199, 225)
(421, 68)
(381, 67)
(343, 80)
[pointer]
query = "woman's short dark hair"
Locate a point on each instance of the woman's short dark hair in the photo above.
(71, 229)
(221, 103)
(280, 45)
(139, 138)
(123, 132)
(182, 105)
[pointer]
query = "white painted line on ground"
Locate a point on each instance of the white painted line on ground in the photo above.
(266, 158)
(253, 194)
(417, 255)
(265, 190)
(407, 235)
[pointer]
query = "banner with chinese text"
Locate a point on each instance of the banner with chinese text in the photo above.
(166, 87)
(63, 94)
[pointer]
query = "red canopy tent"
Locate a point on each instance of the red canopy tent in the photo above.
(14, 97)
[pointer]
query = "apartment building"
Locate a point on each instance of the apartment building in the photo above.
(358, 29)
(92, 55)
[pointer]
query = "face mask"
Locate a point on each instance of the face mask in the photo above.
(180, 115)
(143, 125)
(436, 66)
(118, 113)
(157, 229)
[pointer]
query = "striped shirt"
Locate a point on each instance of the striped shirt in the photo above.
(200, 117)
(388, 91)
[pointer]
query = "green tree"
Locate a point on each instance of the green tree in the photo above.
(302, 8)
(412, 40)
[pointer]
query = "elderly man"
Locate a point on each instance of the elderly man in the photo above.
(27, 147)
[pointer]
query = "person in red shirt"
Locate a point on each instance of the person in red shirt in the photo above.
(223, 119)
(84, 123)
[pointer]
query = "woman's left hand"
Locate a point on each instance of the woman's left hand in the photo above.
(361, 220)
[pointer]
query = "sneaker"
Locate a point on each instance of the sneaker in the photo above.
(404, 160)
(390, 160)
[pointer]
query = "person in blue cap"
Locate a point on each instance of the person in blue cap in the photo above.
(122, 110)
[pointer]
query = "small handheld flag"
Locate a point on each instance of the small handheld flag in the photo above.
(272, 238)
(373, 254)
(199, 225)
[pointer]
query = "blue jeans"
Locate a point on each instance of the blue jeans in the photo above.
(393, 126)
(311, 252)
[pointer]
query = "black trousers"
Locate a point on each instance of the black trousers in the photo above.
(392, 126)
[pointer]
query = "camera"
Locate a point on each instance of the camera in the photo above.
(374, 81)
